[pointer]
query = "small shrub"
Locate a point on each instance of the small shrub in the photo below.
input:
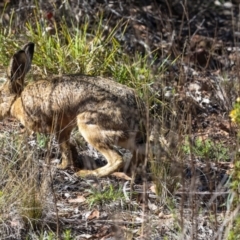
(106, 195)
(206, 149)
(234, 232)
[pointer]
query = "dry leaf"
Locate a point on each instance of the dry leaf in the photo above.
(165, 216)
(84, 236)
(121, 175)
(93, 214)
(153, 188)
(79, 199)
(152, 206)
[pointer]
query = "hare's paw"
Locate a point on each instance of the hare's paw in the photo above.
(64, 165)
(85, 173)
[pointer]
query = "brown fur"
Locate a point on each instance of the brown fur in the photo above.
(107, 113)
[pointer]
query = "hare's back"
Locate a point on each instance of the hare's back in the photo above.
(76, 94)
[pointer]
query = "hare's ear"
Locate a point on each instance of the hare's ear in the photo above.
(29, 50)
(19, 65)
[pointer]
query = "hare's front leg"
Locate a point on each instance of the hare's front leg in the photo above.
(65, 148)
(66, 156)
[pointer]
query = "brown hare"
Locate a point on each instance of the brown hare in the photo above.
(107, 113)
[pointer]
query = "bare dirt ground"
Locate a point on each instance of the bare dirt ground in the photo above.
(202, 38)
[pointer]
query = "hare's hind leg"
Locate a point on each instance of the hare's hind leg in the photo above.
(98, 138)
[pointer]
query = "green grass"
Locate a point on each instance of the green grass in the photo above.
(206, 149)
(78, 51)
(105, 196)
(52, 236)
